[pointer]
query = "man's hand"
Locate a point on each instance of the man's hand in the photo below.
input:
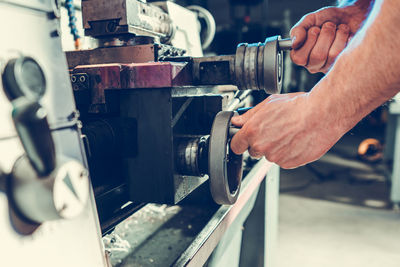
(319, 37)
(295, 129)
(286, 129)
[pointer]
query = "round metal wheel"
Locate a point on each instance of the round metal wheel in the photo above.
(239, 66)
(225, 167)
(273, 66)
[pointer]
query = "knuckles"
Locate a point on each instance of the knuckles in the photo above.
(256, 150)
(344, 28)
(329, 27)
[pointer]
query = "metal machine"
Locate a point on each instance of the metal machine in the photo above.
(143, 114)
(144, 103)
(45, 193)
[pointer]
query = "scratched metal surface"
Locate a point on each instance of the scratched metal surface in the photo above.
(156, 235)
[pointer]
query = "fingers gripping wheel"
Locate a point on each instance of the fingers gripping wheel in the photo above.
(225, 167)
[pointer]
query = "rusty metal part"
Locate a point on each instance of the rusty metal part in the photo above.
(225, 167)
(122, 54)
(120, 17)
(125, 41)
(126, 76)
(215, 70)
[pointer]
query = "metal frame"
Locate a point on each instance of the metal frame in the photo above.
(215, 236)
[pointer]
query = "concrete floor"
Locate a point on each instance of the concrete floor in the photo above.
(342, 218)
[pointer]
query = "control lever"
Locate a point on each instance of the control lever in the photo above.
(30, 121)
(43, 186)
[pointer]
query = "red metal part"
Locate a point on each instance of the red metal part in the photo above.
(132, 76)
(156, 75)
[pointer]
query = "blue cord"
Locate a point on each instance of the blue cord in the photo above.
(69, 5)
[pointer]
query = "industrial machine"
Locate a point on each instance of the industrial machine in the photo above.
(143, 117)
(45, 191)
(145, 103)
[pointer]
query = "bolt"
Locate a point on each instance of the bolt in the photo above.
(82, 78)
(111, 26)
(73, 78)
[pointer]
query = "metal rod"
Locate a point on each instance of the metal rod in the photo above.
(285, 44)
(233, 131)
(237, 99)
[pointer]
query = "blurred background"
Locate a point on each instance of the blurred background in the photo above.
(342, 210)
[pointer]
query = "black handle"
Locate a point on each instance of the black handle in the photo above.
(30, 120)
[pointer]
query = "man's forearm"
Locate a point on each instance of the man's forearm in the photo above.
(367, 73)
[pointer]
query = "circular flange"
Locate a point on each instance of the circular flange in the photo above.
(239, 65)
(252, 70)
(260, 67)
(225, 167)
(272, 66)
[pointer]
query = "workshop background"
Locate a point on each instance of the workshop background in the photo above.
(341, 210)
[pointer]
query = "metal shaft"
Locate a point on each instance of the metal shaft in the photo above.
(257, 66)
(285, 44)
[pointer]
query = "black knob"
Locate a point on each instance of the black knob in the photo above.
(30, 121)
(23, 76)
